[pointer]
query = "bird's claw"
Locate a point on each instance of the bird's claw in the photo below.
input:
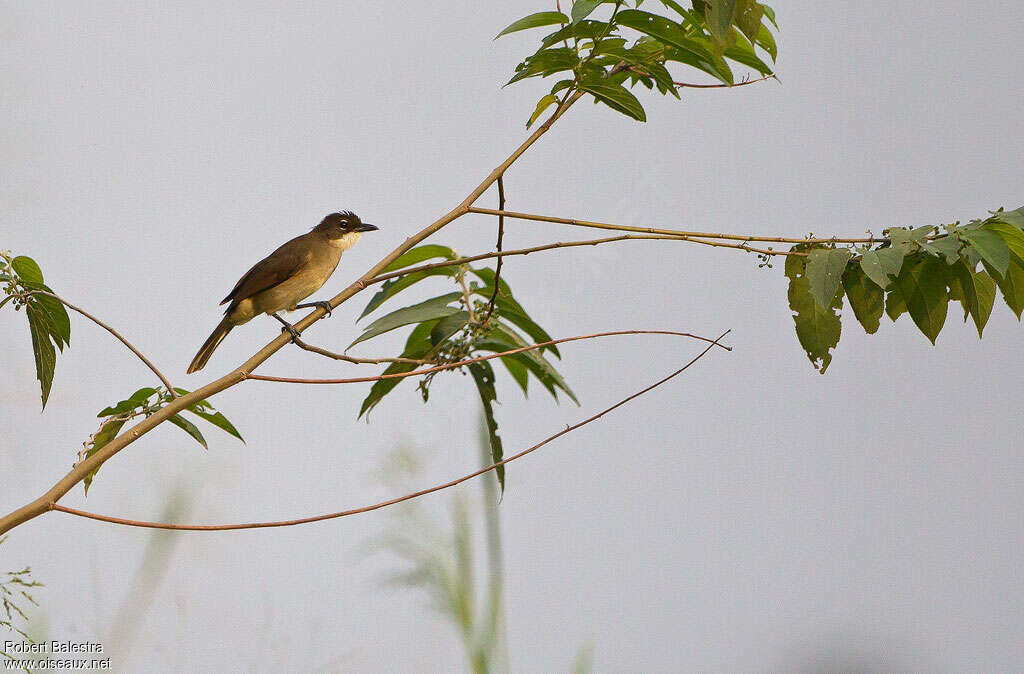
(292, 331)
(320, 304)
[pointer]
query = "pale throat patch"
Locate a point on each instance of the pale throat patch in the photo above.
(345, 241)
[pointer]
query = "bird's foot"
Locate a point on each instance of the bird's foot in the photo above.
(288, 327)
(320, 304)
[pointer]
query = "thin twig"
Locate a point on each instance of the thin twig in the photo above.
(501, 235)
(112, 331)
(351, 359)
(393, 501)
(672, 232)
(725, 86)
(469, 361)
(572, 244)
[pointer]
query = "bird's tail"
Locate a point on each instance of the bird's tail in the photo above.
(211, 343)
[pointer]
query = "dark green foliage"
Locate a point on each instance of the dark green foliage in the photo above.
(483, 376)
(458, 326)
(817, 327)
(48, 322)
(919, 271)
(143, 403)
(603, 50)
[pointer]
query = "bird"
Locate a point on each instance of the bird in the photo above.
(287, 276)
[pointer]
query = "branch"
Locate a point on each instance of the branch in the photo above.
(676, 232)
(359, 361)
(470, 361)
(109, 329)
(501, 235)
(571, 244)
(47, 501)
(724, 86)
(393, 501)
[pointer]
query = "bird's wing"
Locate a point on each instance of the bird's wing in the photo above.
(273, 269)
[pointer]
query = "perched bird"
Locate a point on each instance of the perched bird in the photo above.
(287, 276)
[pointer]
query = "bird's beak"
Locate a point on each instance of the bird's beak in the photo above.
(366, 227)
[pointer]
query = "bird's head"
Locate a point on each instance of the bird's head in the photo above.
(345, 222)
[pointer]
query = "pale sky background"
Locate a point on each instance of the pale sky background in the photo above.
(750, 516)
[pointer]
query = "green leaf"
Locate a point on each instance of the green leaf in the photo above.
(501, 339)
(56, 316)
(977, 294)
(663, 29)
(436, 307)
(519, 373)
(108, 431)
(27, 269)
(946, 247)
(817, 328)
(417, 346)
(894, 304)
(420, 254)
(189, 427)
(719, 20)
(542, 105)
(825, 268)
(534, 21)
(448, 326)
(1014, 217)
(1013, 237)
(747, 17)
(765, 40)
(922, 285)
(581, 9)
(881, 264)
(1012, 286)
(866, 298)
(218, 420)
(394, 286)
(483, 375)
(511, 311)
(42, 349)
(546, 62)
(992, 248)
(743, 52)
(616, 97)
(142, 394)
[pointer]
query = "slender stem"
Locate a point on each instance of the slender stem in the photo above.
(501, 236)
(359, 361)
(724, 86)
(573, 244)
(671, 232)
(115, 333)
(46, 502)
(393, 501)
(469, 361)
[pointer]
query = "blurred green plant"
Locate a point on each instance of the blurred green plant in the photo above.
(441, 561)
(15, 589)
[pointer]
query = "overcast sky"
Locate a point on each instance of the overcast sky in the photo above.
(752, 515)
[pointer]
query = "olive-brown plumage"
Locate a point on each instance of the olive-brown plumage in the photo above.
(287, 276)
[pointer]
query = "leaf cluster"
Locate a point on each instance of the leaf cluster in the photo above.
(48, 322)
(456, 326)
(143, 403)
(917, 271)
(632, 46)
